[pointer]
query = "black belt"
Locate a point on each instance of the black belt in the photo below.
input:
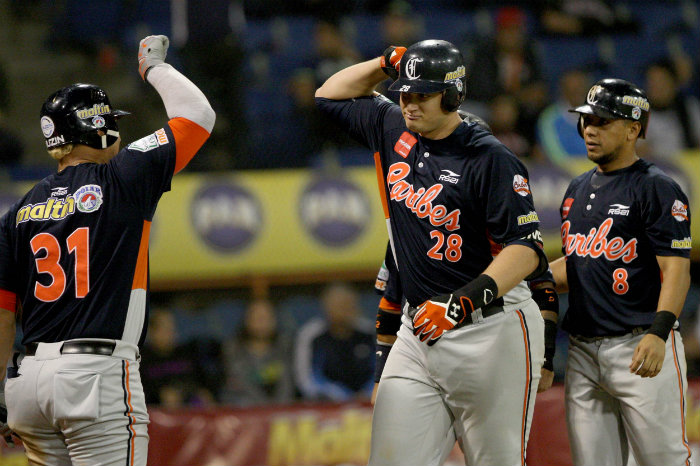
(473, 317)
(104, 348)
(634, 332)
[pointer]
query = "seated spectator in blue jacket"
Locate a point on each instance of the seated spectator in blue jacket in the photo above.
(334, 354)
(557, 132)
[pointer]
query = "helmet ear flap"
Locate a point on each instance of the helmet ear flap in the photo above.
(452, 97)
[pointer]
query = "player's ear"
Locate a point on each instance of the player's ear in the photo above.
(634, 130)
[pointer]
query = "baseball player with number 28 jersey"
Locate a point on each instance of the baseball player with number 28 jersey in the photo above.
(626, 240)
(464, 233)
(74, 260)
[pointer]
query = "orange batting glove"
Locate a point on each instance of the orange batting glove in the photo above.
(391, 61)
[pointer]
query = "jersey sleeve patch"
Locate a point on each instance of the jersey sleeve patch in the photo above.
(150, 142)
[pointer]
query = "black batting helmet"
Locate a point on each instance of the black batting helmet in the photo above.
(75, 114)
(616, 99)
(433, 66)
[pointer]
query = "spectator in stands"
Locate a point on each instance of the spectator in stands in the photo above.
(583, 17)
(211, 50)
(176, 374)
(675, 121)
(503, 119)
(557, 128)
(691, 341)
(400, 24)
(508, 64)
(333, 51)
(257, 360)
(334, 356)
(11, 146)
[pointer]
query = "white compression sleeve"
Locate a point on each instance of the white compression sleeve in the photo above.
(181, 97)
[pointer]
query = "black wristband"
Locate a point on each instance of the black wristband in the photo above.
(479, 292)
(388, 322)
(550, 343)
(382, 352)
(546, 299)
(663, 324)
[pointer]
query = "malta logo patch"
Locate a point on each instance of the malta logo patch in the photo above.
(150, 142)
(520, 185)
(405, 143)
(566, 207)
(88, 198)
(679, 211)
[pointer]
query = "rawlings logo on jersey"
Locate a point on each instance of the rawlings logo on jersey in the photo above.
(52, 209)
(619, 209)
(520, 185)
(449, 176)
(596, 243)
(420, 201)
(679, 211)
(88, 198)
(150, 142)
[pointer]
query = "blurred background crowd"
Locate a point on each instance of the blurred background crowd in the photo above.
(259, 62)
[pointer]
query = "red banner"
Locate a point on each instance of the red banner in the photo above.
(323, 434)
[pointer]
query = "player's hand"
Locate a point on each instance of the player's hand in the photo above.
(10, 438)
(152, 52)
(391, 61)
(436, 316)
(648, 356)
(546, 379)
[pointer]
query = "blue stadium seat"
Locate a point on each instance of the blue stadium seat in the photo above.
(561, 54)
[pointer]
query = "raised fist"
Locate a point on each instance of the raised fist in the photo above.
(152, 52)
(391, 61)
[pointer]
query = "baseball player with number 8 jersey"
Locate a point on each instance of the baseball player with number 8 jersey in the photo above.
(74, 262)
(464, 233)
(626, 244)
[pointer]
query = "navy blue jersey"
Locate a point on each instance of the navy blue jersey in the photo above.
(453, 203)
(75, 248)
(613, 227)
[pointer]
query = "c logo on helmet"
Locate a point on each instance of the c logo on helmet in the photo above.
(412, 68)
(593, 94)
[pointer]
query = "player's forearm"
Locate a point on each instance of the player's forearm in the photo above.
(181, 97)
(7, 337)
(558, 268)
(676, 282)
(511, 266)
(355, 81)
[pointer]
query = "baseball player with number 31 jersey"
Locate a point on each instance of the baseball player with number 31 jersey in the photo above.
(464, 232)
(74, 262)
(626, 240)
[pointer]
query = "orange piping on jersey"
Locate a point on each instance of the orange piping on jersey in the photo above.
(141, 272)
(129, 414)
(8, 300)
(387, 305)
(496, 248)
(526, 402)
(189, 138)
(380, 182)
(680, 389)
